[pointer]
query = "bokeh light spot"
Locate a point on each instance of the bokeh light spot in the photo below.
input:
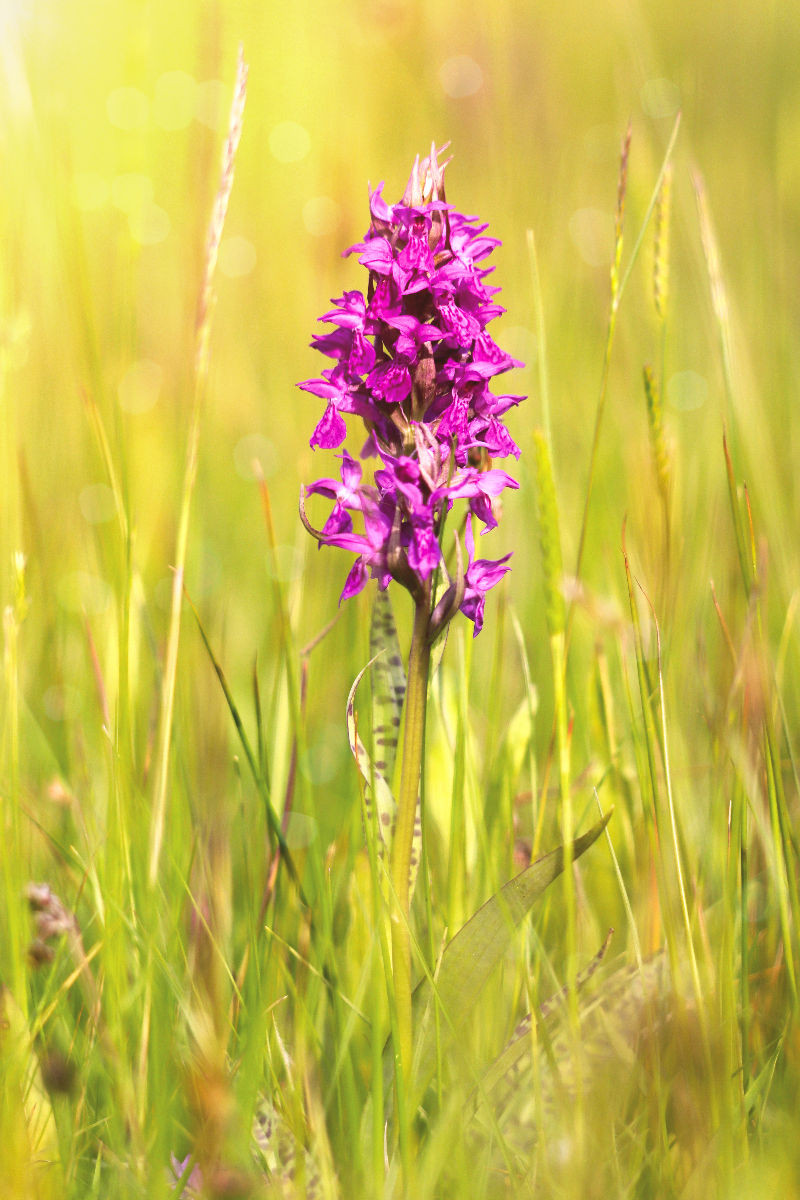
(15, 338)
(460, 76)
(131, 191)
(140, 386)
(82, 592)
(660, 98)
(237, 256)
(289, 142)
(252, 454)
(687, 391)
(321, 215)
(301, 831)
(149, 225)
(592, 233)
(174, 100)
(212, 101)
(128, 108)
(96, 502)
(322, 760)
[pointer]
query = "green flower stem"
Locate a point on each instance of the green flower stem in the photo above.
(413, 740)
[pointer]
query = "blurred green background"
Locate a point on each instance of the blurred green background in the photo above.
(113, 116)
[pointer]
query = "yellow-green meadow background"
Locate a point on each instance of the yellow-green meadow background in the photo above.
(113, 117)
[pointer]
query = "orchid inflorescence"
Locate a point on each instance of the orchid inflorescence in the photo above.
(413, 359)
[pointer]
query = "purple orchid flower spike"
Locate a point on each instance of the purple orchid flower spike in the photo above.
(413, 359)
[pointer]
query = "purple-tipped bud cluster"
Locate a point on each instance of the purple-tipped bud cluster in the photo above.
(413, 360)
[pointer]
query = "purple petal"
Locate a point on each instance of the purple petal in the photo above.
(324, 487)
(424, 554)
(386, 302)
(486, 573)
(488, 351)
(356, 580)
(481, 506)
(351, 472)
(481, 577)
(350, 311)
(390, 380)
(416, 255)
(362, 355)
(461, 324)
(331, 430)
(356, 542)
(378, 207)
(320, 387)
(338, 522)
(377, 256)
(416, 332)
(498, 441)
(488, 405)
(335, 344)
(455, 420)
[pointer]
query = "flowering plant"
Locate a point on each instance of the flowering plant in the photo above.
(413, 359)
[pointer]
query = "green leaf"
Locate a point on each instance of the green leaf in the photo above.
(376, 790)
(469, 959)
(388, 695)
(388, 684)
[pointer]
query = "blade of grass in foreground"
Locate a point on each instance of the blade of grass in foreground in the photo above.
(203, 335)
